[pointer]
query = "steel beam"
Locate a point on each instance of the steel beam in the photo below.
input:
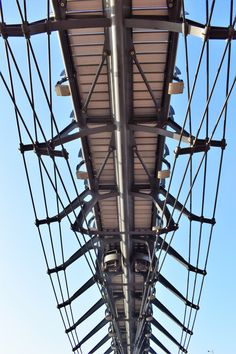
(187, 28)
(52, 25)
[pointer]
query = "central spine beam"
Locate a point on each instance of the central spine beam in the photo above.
(121, 84)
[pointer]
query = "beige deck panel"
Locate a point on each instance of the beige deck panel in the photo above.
(151, 67)
(140, 141)
(152, 58)
(144, 140)
(98, 88)
(86, 31)
(107, 174)
(140, 202)
(144, 111)
(152, 36)
(151, 77)
(108, 207)
(95, 39)
(139, 166)
(90, 70)
(86, 69)
(88, 79)
(102, 148)
(87, 49)
(109, 168)
(108, 218)
(155, 86)
(147, 147)
(141, 174)
(84, 5)
(149, 3)
(87, 60)
(137, 95)
(99, 157)
(75, 14)
(99, 160)
(144, 135)
(141, 180)
(148, 160)
(107, 180)
(151, 47)
(98, 104)
(100, 154)
(100, 142)
(108, 222)
(100, 96)
(108, 210)
(143, 103)
(94, 103)
(151, 12)
(98, 112)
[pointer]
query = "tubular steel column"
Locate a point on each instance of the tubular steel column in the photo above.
(121, 104)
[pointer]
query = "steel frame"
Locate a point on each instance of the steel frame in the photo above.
(120, 57)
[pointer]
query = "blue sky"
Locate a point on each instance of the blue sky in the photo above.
(30, 321)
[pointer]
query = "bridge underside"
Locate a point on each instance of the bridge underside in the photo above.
(120, 71)
(122, 80)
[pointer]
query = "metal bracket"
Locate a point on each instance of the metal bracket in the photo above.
(162, 132)
(64, 137)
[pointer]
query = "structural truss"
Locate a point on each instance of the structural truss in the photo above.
(125, 193)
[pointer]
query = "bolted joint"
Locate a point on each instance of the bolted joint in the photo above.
(37, 223)
(132, 52)
(63, 3)
(183, 349)
(21, 148)
(223, 144)
(170, 4)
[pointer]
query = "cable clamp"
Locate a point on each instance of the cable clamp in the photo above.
(25, 29)
(3, 31)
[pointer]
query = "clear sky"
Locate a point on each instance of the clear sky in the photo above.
(30, 322)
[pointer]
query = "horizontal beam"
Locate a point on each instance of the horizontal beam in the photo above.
(187, 28)
(51, 25)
